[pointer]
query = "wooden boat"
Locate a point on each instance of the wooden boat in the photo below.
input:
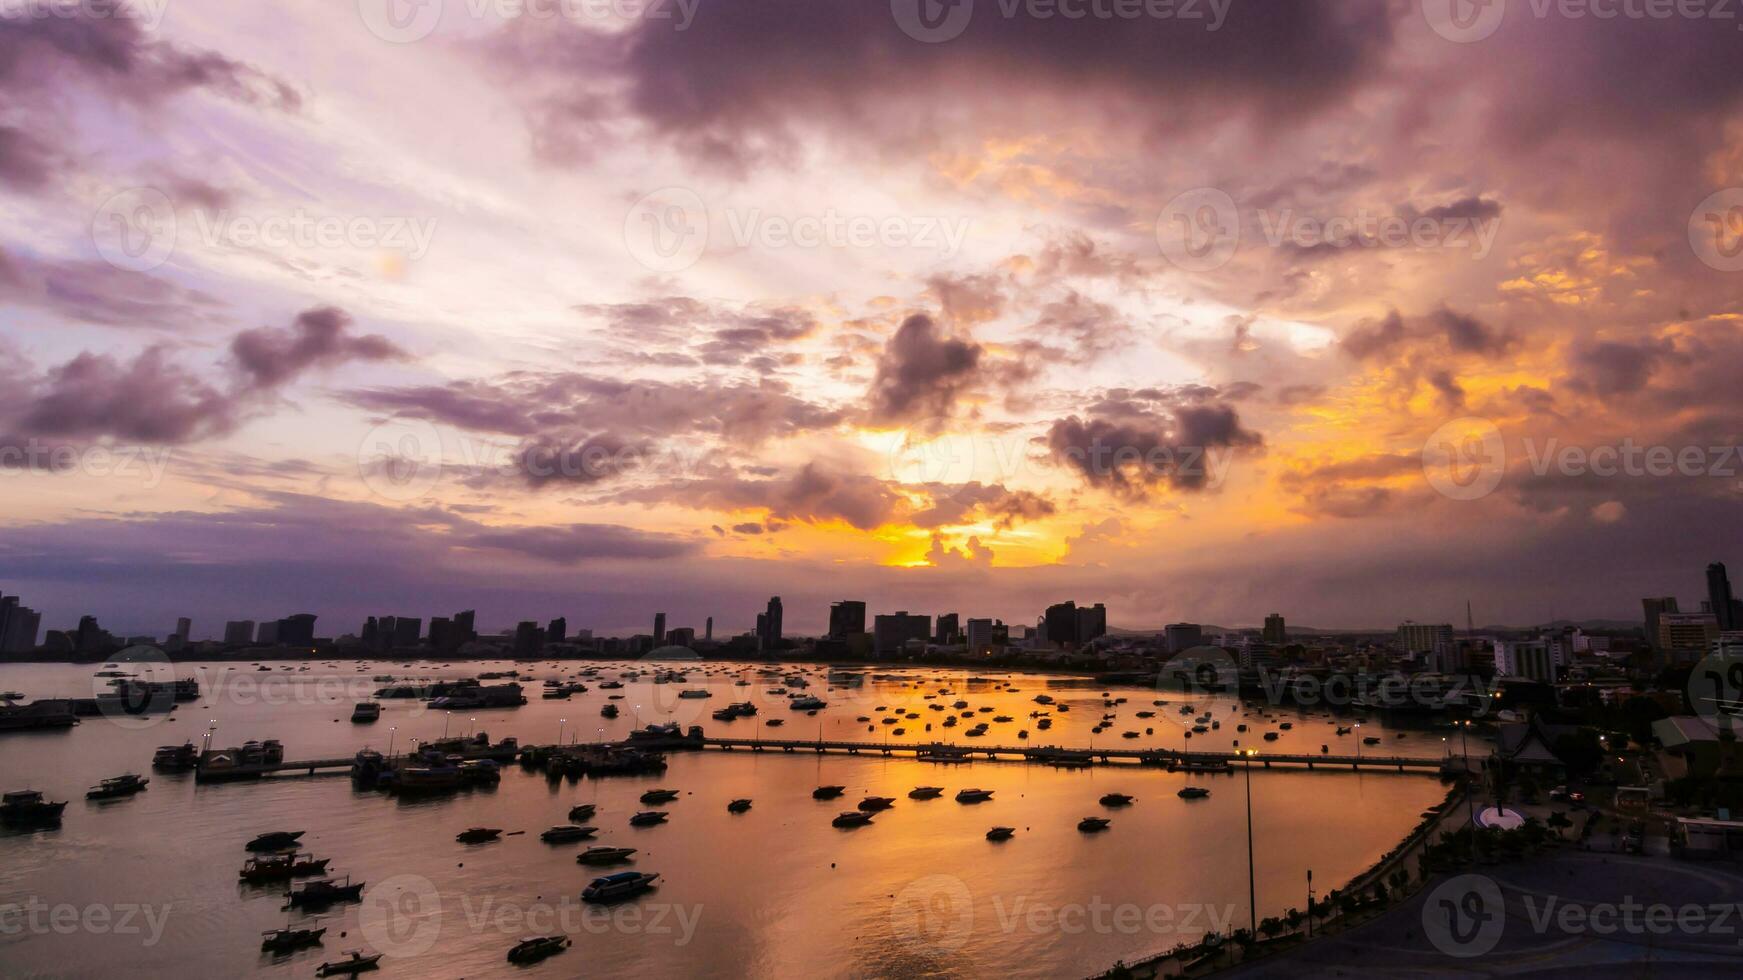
(356, 964)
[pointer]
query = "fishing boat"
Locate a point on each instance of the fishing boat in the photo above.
(1193, 793)
(27, 808)
(851, 818)
(537, 948)
(478, 835)
(286, 940)
(274, 840)
(974, 795)
(1116, 799)
(738, 806)
(175, 758)
(1001, 833)
(357, 963)
(582, 812)
(925, 792)
(648, 818)
(1090, 825)
(827, 792)
(615, 887)
(567, 834)
(325, 891)
(659, 796)
(604, 855)
(117, 786)
(292, 865)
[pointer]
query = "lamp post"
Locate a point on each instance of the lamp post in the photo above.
(447, 716)
(1358, 746)
(561, 722)
(1310, 903)
(1252, 888)
(390, 733)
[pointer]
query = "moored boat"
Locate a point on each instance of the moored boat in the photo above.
(648, 818)
(738, 806)
(1001, 833)
(1193, 793)
(659, 796)
(873, 804)
(28, 808)
(567, 834)
(537, 948)
(925, 792)
(117, 786)
(974, 795)
(478, 835)
(356, 963)
(582, 812)
(325, 891)
(1116, 799)
(827, 792)
(604, 855)
(1090, 825)
(615, 887)
(852, 818)
(274, 840)
(286, 940)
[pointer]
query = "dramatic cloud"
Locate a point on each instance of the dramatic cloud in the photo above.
(921, 374)
(317, 338)
(1134, 442)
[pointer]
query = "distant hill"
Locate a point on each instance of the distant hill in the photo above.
(1591, 625)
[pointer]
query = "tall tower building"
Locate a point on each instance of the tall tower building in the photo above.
(1655, 608)
(1275, 632)
(769, 624)
(1719, 594)
(659, 629)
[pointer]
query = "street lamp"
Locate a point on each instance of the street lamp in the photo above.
(560, 723)
(390, 733)
(1252, 888)
(1358, 745)
(446, 717)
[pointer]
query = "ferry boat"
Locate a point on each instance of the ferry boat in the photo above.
(604, 855)
(622, 885)
(323, 892)
(366, 712)
(37, 714)
(117, 786)
(27, 808)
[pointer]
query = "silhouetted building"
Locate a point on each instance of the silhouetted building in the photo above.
(370, 636)
(948, 627)
(464, 630)
(708, 633)
(846, 618)
(980, 636)
(239, 632)
(268, 632)
(1655, 608)
(558, 631)
(1424, 637)
(1275, 633)
(1061, 623)
(769, 625)
(18, 626)
(185, 629)
(442, 633)
(1719, 595)
(297, 630)
(890, 634)
(1092, 621)
(659, 629)
(528, 638)
(407, 630)
(681, 636)
(1182, 636)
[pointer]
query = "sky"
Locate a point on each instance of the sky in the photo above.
(1352, 311)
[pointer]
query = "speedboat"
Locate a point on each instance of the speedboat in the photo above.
(622, 885)
(872, 804)
(285, 940)
(925, 792)
(647, 818)
(738, 806)
(325, 891)
(116, 786)
(852, 818)
(274, 840)
(974, 795)
(1090, 825)
(1116, 799)
(478, 835)
(827, 792)
(809, 702)
(356, 964)
(537, 948)
(1193, 793)
(659, 796)
(604, 855)
(582, 812)
(567, 834)
(1000, 833)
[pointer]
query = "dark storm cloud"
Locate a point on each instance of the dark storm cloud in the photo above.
(1133, 442)
(1619, 367)
(921, 373)
(724, 88)
(570, 544)
(814, 493)
(1443, 329)
(319, 337)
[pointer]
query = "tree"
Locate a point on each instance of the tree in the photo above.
(1558, 822)
(1293, 917)
(1271, 927)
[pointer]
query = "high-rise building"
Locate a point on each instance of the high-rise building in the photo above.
(1178, 637)
(769, 625)
(659, 629)
(1275, 632)
(406, 630)
(846, 618)
(464, 630)
(1655, 608)
(1424, 637)
(681, 636)
(1719, 594)
(1687, 636)
(708, 630)
(558, 631)
(297, 630)
(268, 632)
(891, 633)
(948, 625)
(527, 639)
(441, 633)
(1061, 620)
(239, 632)
(19, 626)
(184, 629)
(1533, 659)
(1092, 621)
(980, 636)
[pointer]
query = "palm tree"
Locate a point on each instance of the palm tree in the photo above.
(1558, 822)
